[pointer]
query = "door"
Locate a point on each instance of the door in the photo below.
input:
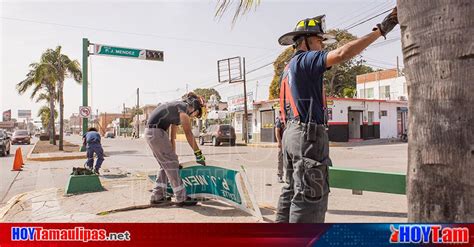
(355, 118)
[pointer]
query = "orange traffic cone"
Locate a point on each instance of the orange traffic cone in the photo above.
(18, 162)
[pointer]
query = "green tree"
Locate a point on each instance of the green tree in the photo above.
(42, 81)
(278, 67)
(44, 114)
(207, 92)
(63, 67)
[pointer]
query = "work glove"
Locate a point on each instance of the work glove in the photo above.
(388, 23)
(200, 159)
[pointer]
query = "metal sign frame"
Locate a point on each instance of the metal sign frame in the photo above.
(229, 70)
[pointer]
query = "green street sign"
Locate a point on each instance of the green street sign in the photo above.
(220, 183)
(106, 50)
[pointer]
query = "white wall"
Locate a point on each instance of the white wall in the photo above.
(397, 88)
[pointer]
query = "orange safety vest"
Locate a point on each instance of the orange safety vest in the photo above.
(287, 103)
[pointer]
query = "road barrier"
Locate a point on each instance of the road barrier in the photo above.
(360, 180)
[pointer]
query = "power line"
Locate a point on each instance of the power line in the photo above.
(364, 21)
(134, 33)
(376, 8)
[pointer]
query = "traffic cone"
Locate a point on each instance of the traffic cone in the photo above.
(18, 162)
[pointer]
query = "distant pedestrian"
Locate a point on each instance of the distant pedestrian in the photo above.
(279, 129)
(92, 142)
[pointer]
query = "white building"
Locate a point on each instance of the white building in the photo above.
(385, 85)
(348, 119)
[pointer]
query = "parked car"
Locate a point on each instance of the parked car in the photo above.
(21, 136)
(4, 143)
(109, 134)
(218, 133)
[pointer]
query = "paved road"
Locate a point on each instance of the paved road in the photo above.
(134, 156)
(8, 177)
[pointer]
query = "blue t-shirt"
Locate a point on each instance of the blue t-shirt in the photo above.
(305, 77)
(92, 137)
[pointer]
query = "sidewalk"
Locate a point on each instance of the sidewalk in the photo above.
(125, 199)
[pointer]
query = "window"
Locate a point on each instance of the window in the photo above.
(383, 113)
(370, 93)
(361, 94)
(371, 118)
(384, 92)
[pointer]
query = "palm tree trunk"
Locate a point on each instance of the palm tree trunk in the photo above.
(52, 128)
(61, 114)
(439, 60)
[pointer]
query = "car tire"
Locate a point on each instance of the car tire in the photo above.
(232, 142)
(201, 141)
(214, 141)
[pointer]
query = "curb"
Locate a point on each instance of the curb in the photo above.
(58, 158)
(12, 202)
(31, 150)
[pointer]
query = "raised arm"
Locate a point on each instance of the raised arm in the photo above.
(355, 47)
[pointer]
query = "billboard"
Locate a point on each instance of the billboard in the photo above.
(7, 116)
(236, 103)
(24, 113)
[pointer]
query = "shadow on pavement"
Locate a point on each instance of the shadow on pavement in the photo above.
(367, 143)
(368, 213)
(109, 153)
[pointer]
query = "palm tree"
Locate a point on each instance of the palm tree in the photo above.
(438, 57)
(44, 114)
(63, 67)
(40, 79)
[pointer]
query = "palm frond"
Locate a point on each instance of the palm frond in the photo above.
(243, 7)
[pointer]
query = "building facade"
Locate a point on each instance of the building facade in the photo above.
(383, 85)
(348, 119)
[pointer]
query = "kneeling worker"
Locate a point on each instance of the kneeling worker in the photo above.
(91, 140)
(165, 116)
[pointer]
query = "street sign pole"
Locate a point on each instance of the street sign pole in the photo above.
(246, 138)
(85, 59)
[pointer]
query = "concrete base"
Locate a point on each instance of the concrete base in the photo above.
(83, 184)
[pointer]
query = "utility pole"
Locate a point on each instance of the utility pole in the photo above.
(256, 91)
(398, 68)
(246, 135)
(138, 113)
(122, 123)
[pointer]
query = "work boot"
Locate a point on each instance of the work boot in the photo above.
(160, 201)
(187, 203)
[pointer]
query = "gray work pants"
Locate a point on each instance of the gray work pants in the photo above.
(160, 145)
(304, 198)
(280, 162)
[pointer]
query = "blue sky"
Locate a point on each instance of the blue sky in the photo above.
(191, 38)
